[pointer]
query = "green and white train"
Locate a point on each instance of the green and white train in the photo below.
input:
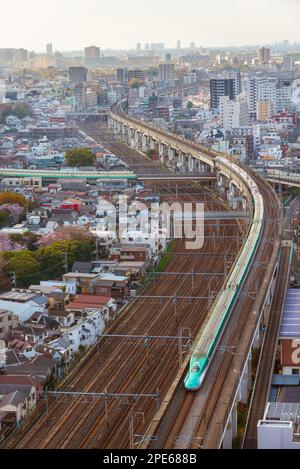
(206, 346)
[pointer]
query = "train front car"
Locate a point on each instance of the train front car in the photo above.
(196, 373)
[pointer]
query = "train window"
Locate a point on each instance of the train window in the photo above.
(195, 368)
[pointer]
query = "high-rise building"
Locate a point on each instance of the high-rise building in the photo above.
(79, 97)
(284, 95)
(77, 74)
(9, 57)
(288, 64)
(122, 75)
(236, 75)
(137, 74)
(178, 45)
(262, 89)
(138, 47)
(90, 99)
(147, 46)
(221, 87)
(20, 55)
(168, 57)
(264, 55)
(49, 49)
(233, 113)
(166, 73)
(92, 57)
(264, 110)
(192, 45)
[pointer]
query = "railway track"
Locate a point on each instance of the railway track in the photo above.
(125, 366)
(137, 161)
(194, 419)
(202, 418)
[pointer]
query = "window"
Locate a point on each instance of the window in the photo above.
(295, 371)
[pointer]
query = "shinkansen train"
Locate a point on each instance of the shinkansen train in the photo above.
(207, 345)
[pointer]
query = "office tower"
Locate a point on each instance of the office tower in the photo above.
(147, 46)
(122, 75)
(138, 47)
(77, 74)
(263, 55)
(221, 87)
(178, 46)
(92, 57)
(49, 48)
(192, 45)
(166, 73)
(168, 57)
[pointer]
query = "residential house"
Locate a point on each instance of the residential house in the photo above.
(34, 333)
(82, 267)
(64, 216)
(83, 304)
(58, 300)
(84, 282)
(63, 347)
(63, 317)
(69, 287)
(16, 403)
(42, 366)
(21, 347)
(115, 286)
(40, 319)
(23, 303)
(44, 289)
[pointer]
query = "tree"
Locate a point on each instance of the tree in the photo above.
(19, 110)
(52, 258)
(4, 218)
(28, 240)
(7, 244)
(4, 279)
(65, 234)
(189, 104)
(13, 199)
(26, 268)
(80, 157)
(135, 83)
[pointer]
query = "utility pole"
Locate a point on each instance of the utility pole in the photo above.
(66, 262)
(13, 277)
(97, 249)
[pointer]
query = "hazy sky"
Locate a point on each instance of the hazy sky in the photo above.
(73, 24)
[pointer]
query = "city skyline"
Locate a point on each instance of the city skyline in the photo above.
(101, 25)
